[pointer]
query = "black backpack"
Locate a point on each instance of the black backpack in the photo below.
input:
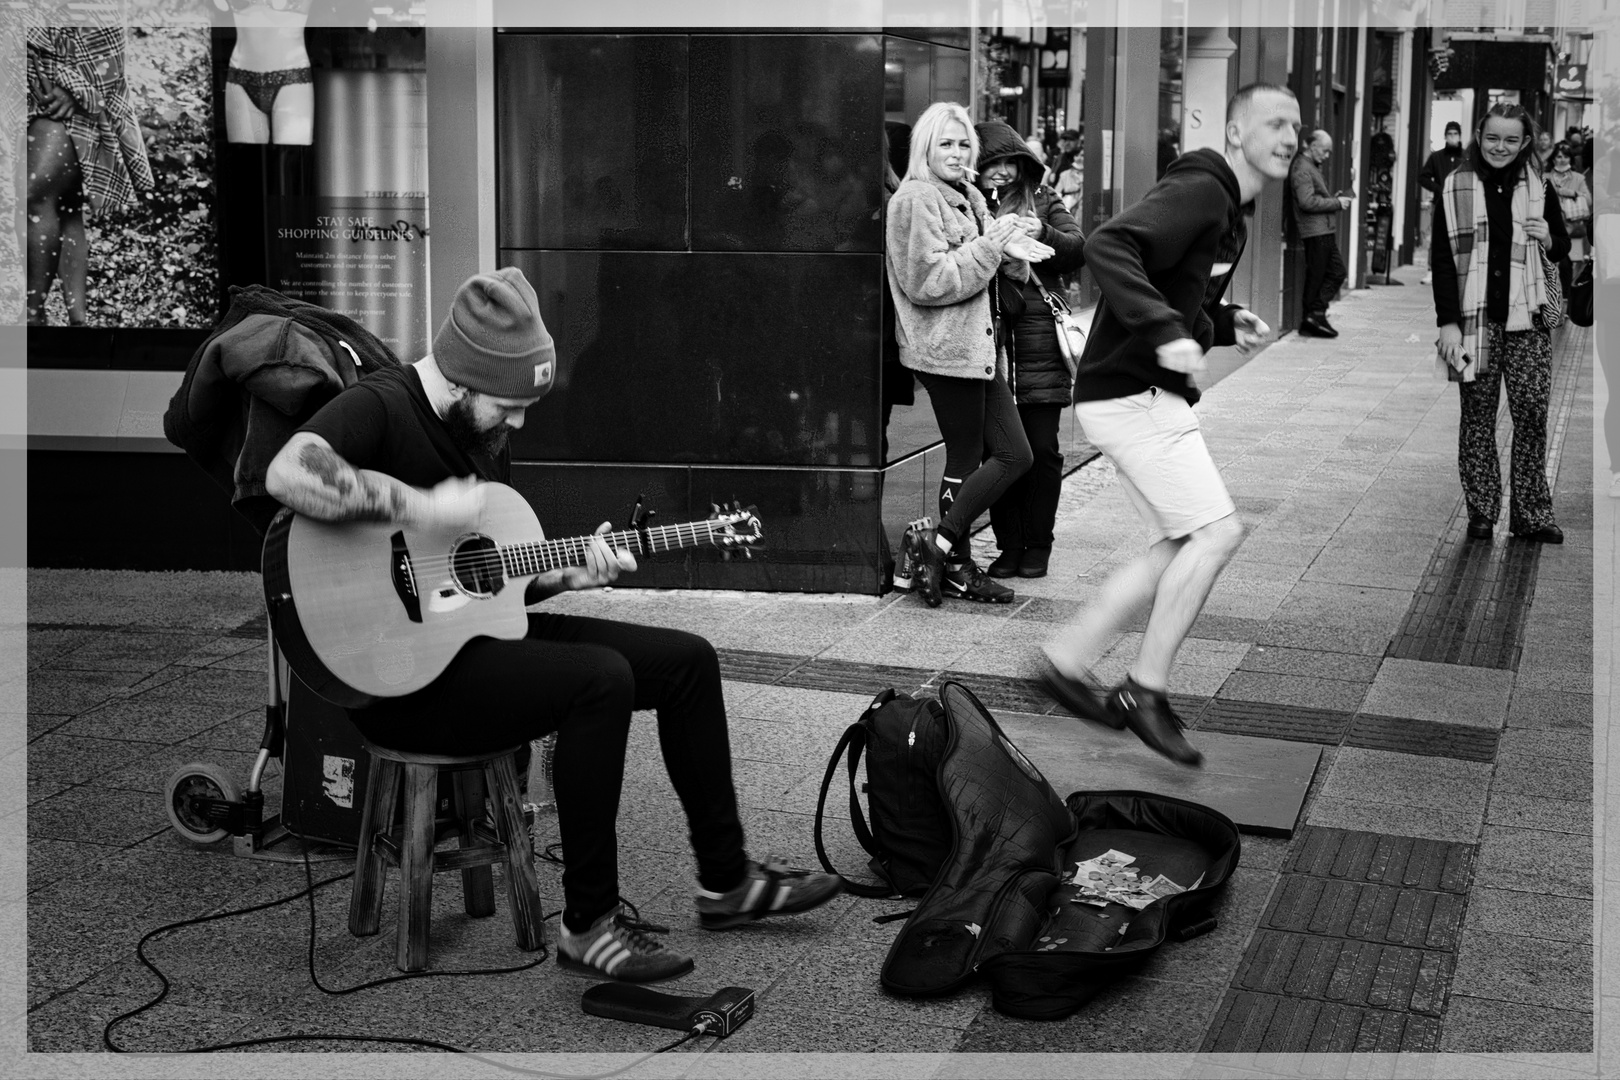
(904, 739)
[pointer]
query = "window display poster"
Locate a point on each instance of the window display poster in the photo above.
(358, 244)
(120, 200)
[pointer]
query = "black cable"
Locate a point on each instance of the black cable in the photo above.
(309, 890)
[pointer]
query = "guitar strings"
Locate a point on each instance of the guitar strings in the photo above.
(521, 557)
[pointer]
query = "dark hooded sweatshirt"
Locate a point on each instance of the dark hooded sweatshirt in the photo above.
(1154, 262)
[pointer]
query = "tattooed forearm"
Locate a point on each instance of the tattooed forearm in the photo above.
(309, 476)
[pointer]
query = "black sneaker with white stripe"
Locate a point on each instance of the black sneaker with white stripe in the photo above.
(621, 946)
(968, 582)
(771, 888)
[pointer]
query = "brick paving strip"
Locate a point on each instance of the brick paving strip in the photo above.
(1355, 951)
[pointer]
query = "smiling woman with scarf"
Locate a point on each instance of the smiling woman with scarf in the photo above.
(1009, 176)
(1489, 287)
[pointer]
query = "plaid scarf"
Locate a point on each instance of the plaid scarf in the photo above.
(1470, 231)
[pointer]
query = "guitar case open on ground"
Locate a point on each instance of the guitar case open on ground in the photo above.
(1003, 905)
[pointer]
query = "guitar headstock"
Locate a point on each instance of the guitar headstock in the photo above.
(738, 528)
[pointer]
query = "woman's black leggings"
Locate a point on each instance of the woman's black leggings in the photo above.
(985, 449)
(581, 678)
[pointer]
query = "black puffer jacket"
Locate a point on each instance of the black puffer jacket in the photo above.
(1038, 374)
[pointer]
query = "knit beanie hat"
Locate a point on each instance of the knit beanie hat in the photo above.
(493, 340)
(1453, 126)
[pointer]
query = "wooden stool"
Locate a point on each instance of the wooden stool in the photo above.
(412, 850)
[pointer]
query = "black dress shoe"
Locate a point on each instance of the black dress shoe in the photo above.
(1006, 564)
(1148, 713)
(1077, 697)
(1480, 529)
(1325, 327)
(1033, 564)
(1547, 534)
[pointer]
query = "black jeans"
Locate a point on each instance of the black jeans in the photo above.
(985, 448)
(1324, 272)
(581, 678)
(1024, 515)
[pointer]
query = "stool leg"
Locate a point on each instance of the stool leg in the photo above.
(477, 882)
(377, 816)
(522, 888)
(416, 866)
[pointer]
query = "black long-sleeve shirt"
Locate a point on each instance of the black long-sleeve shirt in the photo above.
(1499, 215)
(1434, 172)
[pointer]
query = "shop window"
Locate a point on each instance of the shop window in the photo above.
(280, 153)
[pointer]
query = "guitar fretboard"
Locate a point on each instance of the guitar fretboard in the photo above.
(520, 560)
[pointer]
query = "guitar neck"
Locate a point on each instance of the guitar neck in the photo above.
(540, 555)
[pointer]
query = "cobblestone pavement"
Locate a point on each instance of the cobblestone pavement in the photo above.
(1435, 899)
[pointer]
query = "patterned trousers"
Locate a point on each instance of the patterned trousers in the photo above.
(1522, 359)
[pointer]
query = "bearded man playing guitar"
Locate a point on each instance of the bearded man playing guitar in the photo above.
(410, 447)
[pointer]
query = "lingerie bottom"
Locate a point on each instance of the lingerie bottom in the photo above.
(263, 86)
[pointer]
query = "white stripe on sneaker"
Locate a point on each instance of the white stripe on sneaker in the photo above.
(751, 901)
(782, 893)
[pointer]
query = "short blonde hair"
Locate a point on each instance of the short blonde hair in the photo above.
(927, 131)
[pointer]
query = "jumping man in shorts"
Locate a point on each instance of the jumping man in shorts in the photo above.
(1163, 265)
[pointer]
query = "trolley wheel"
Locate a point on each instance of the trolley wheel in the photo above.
(197, 780)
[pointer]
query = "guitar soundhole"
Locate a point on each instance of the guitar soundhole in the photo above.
(476, 566)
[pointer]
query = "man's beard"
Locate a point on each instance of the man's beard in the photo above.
(466, 434)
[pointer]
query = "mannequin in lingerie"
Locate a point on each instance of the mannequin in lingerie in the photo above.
(269, 92)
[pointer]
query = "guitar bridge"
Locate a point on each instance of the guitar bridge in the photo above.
(404, 577)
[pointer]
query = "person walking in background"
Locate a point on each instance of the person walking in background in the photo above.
(1543, 151)
(84, 147)
(1163, 265)
(1575, 139)
(1069, 174)
(1575, 204)
(1070, 147)
(1316, 211)
(1489, 289)
(1436, 169)
(1037, 150)
(942, 253)
(1025, 513)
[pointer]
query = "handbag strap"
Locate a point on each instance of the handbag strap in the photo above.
(1058, 305)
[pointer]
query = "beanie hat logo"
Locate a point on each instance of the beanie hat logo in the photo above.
(493, 341)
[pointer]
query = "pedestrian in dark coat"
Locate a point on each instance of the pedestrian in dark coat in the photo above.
(1024, 515)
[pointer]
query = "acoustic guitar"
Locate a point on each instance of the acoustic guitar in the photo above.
(364, 611)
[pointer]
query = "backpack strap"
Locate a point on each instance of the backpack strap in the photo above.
(854, 738)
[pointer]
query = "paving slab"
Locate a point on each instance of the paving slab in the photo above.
(1484, 1025)
(1524, 970)
(1306, 692)
(1382, 791)
(1535, 860)
(1530, 915)
(1531, 811)
(1259, 783)
(1445, 693)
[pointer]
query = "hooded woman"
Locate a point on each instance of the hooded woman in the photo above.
(1009, 176)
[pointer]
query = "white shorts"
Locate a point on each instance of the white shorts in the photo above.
(1157, 447)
